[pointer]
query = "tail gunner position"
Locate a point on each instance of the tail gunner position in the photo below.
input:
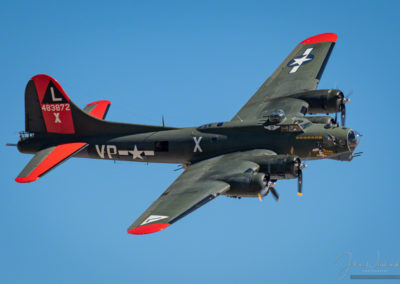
(266, 141)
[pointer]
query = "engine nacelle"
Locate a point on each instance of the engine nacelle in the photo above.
(322, 101)
(279, 166)
(246, 184)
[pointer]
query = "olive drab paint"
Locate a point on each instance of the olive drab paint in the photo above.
(266, 141)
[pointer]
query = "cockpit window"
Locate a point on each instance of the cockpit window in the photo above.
(328, 140)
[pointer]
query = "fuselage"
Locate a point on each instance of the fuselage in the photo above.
(188, 145)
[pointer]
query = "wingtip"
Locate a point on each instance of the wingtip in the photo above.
(26, 179)
(326, 37)
(148, 229)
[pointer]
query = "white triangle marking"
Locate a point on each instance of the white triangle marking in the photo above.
(153, 218)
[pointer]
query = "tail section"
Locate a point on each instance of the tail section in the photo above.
(48, 109)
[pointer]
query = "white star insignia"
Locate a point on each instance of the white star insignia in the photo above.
(301, 60)
(136, 153)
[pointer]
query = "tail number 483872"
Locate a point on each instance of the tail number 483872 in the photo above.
(56, 107)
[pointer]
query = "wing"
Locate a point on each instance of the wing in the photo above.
(197, 185)
(300, 71)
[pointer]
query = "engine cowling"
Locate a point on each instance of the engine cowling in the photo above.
(322, 101)
(246, 184)
(279, 166)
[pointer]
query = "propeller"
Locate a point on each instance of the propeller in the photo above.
(274, 193)
(299, 182)
(300, 167)
(267, 189)
(12, 144)
(342, 107)
(270, 185)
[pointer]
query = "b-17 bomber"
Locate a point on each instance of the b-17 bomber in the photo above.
(285, 123)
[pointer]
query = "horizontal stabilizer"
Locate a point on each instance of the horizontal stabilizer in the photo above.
(98, 109)
(47, 159)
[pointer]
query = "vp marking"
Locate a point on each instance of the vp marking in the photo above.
(110, 150)
(197, 144)
(57, 117)
(298, 61)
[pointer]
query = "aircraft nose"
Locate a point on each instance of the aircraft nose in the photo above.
(353, 139)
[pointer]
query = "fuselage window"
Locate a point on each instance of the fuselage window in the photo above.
(290, 128)
(205, 126)
(161, 146)
(305, 125)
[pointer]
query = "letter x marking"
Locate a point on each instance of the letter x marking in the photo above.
(57, 116)
(197, 144)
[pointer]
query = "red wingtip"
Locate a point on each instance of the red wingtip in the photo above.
(148, 229)
(26, 179)
(320, 38)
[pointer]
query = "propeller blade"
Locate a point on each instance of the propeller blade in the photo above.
(274, 193)
(300, 183)
(343, 114)
(263, 192)
(11, 144)
(349, 94)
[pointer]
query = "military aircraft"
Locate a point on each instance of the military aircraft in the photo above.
(264, 142)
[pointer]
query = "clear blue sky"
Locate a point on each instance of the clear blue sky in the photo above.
(196, 62)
